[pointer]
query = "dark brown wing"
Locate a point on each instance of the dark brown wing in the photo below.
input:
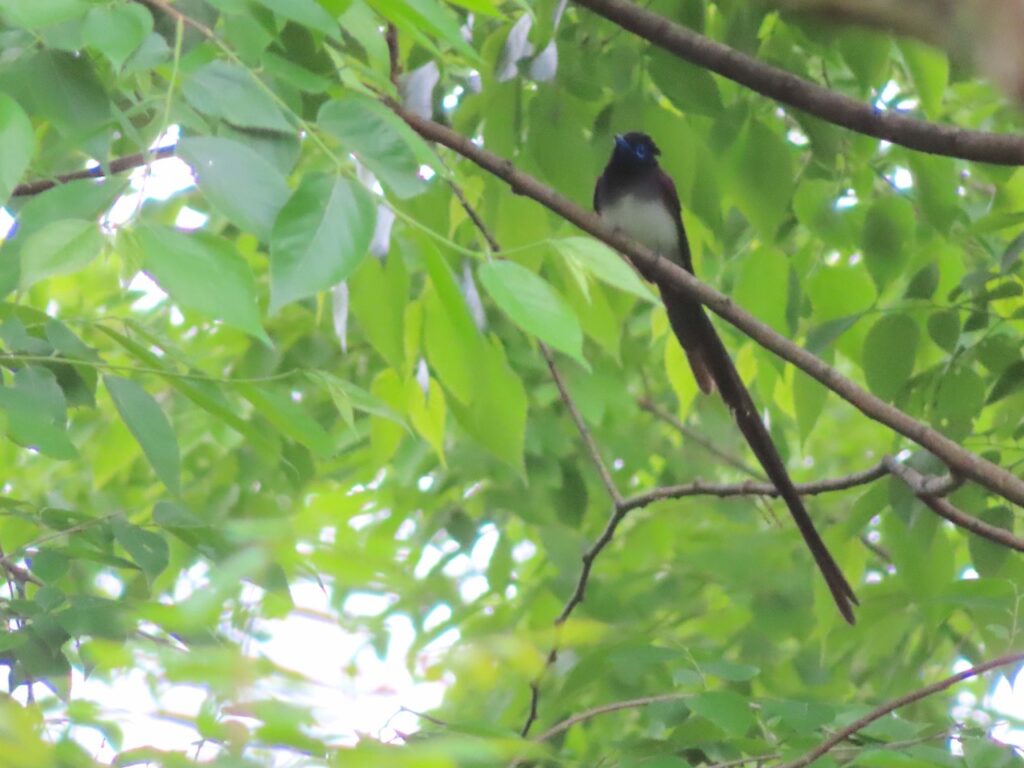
(667, 188)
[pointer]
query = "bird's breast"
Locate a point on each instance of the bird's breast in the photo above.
(646, 220)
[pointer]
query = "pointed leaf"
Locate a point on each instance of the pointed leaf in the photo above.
(228, 91)
(603, 263)
(151, 429)
(17, 145)
(238, 181)
(204, 273)
(888, 357)
(381, 141)
(320, 237)
(148, 549)
(61, 247)
(532, 304)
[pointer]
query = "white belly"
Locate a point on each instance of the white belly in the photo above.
(646, 221)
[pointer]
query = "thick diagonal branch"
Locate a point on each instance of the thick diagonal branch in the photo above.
(957, 458)
(794, 91)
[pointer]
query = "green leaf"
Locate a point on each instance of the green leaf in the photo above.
(83, 199)
(988, 557)
(228, 91)
(60, 247)
(603, 263)
(238, 181)
(936, 181)
(151, 429)
(726, 709)
(944, 328)
(381, 141)
(63, 88)
(888, 357)
(959, 398)
(930, 69)
(378, 295)
(49, 564)
(427, 413)
(205, 394)
(321, 235)
(886, 238)
(148, 549)
(867, 53)
(167, 514)
(36, 413)
(417, 16)
(532, 304)
(924, 283)
(204, 273)
(40, 14)
(385, 435)
(814, 203)
(289, 417)
(809, 397)
(1009, 382)
(496, 414)
(358, 398)
(761, 175)
(308, 13)
(117, 30)
(762, 286)
(17, 144)
(689, 87)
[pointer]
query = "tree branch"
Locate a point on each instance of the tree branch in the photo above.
(880, 712)
(604, 709)
(957, 458)
(581, 427)
(16, 572)
(570, 405)
(117, 165)
(787, 88)
(748, 488)
(921, 487)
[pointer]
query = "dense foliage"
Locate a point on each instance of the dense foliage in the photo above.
(339, 383)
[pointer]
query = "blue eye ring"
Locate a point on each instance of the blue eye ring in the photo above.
(640, 150)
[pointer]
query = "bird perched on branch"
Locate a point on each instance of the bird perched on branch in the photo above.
(637, 197)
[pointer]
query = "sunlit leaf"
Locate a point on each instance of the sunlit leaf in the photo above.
(150, 427)
(320, 236)
(532, 304)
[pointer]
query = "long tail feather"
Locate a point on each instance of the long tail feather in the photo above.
(710, 360)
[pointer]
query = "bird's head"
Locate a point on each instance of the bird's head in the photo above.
(635, 149)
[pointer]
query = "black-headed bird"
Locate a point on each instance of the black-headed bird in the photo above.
(635, 196)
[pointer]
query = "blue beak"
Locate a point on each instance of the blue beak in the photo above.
(621, 143)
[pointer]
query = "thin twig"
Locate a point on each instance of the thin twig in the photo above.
(174, 13)
(880, 552)
(581, 427)
(654, 409)
(16, 572)
(923, 490)
(749, 488)
(958, 459)
(394, 67)
(787, 88)
(117, 165)
(880, 712)
(574, 412)
(604, 709)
